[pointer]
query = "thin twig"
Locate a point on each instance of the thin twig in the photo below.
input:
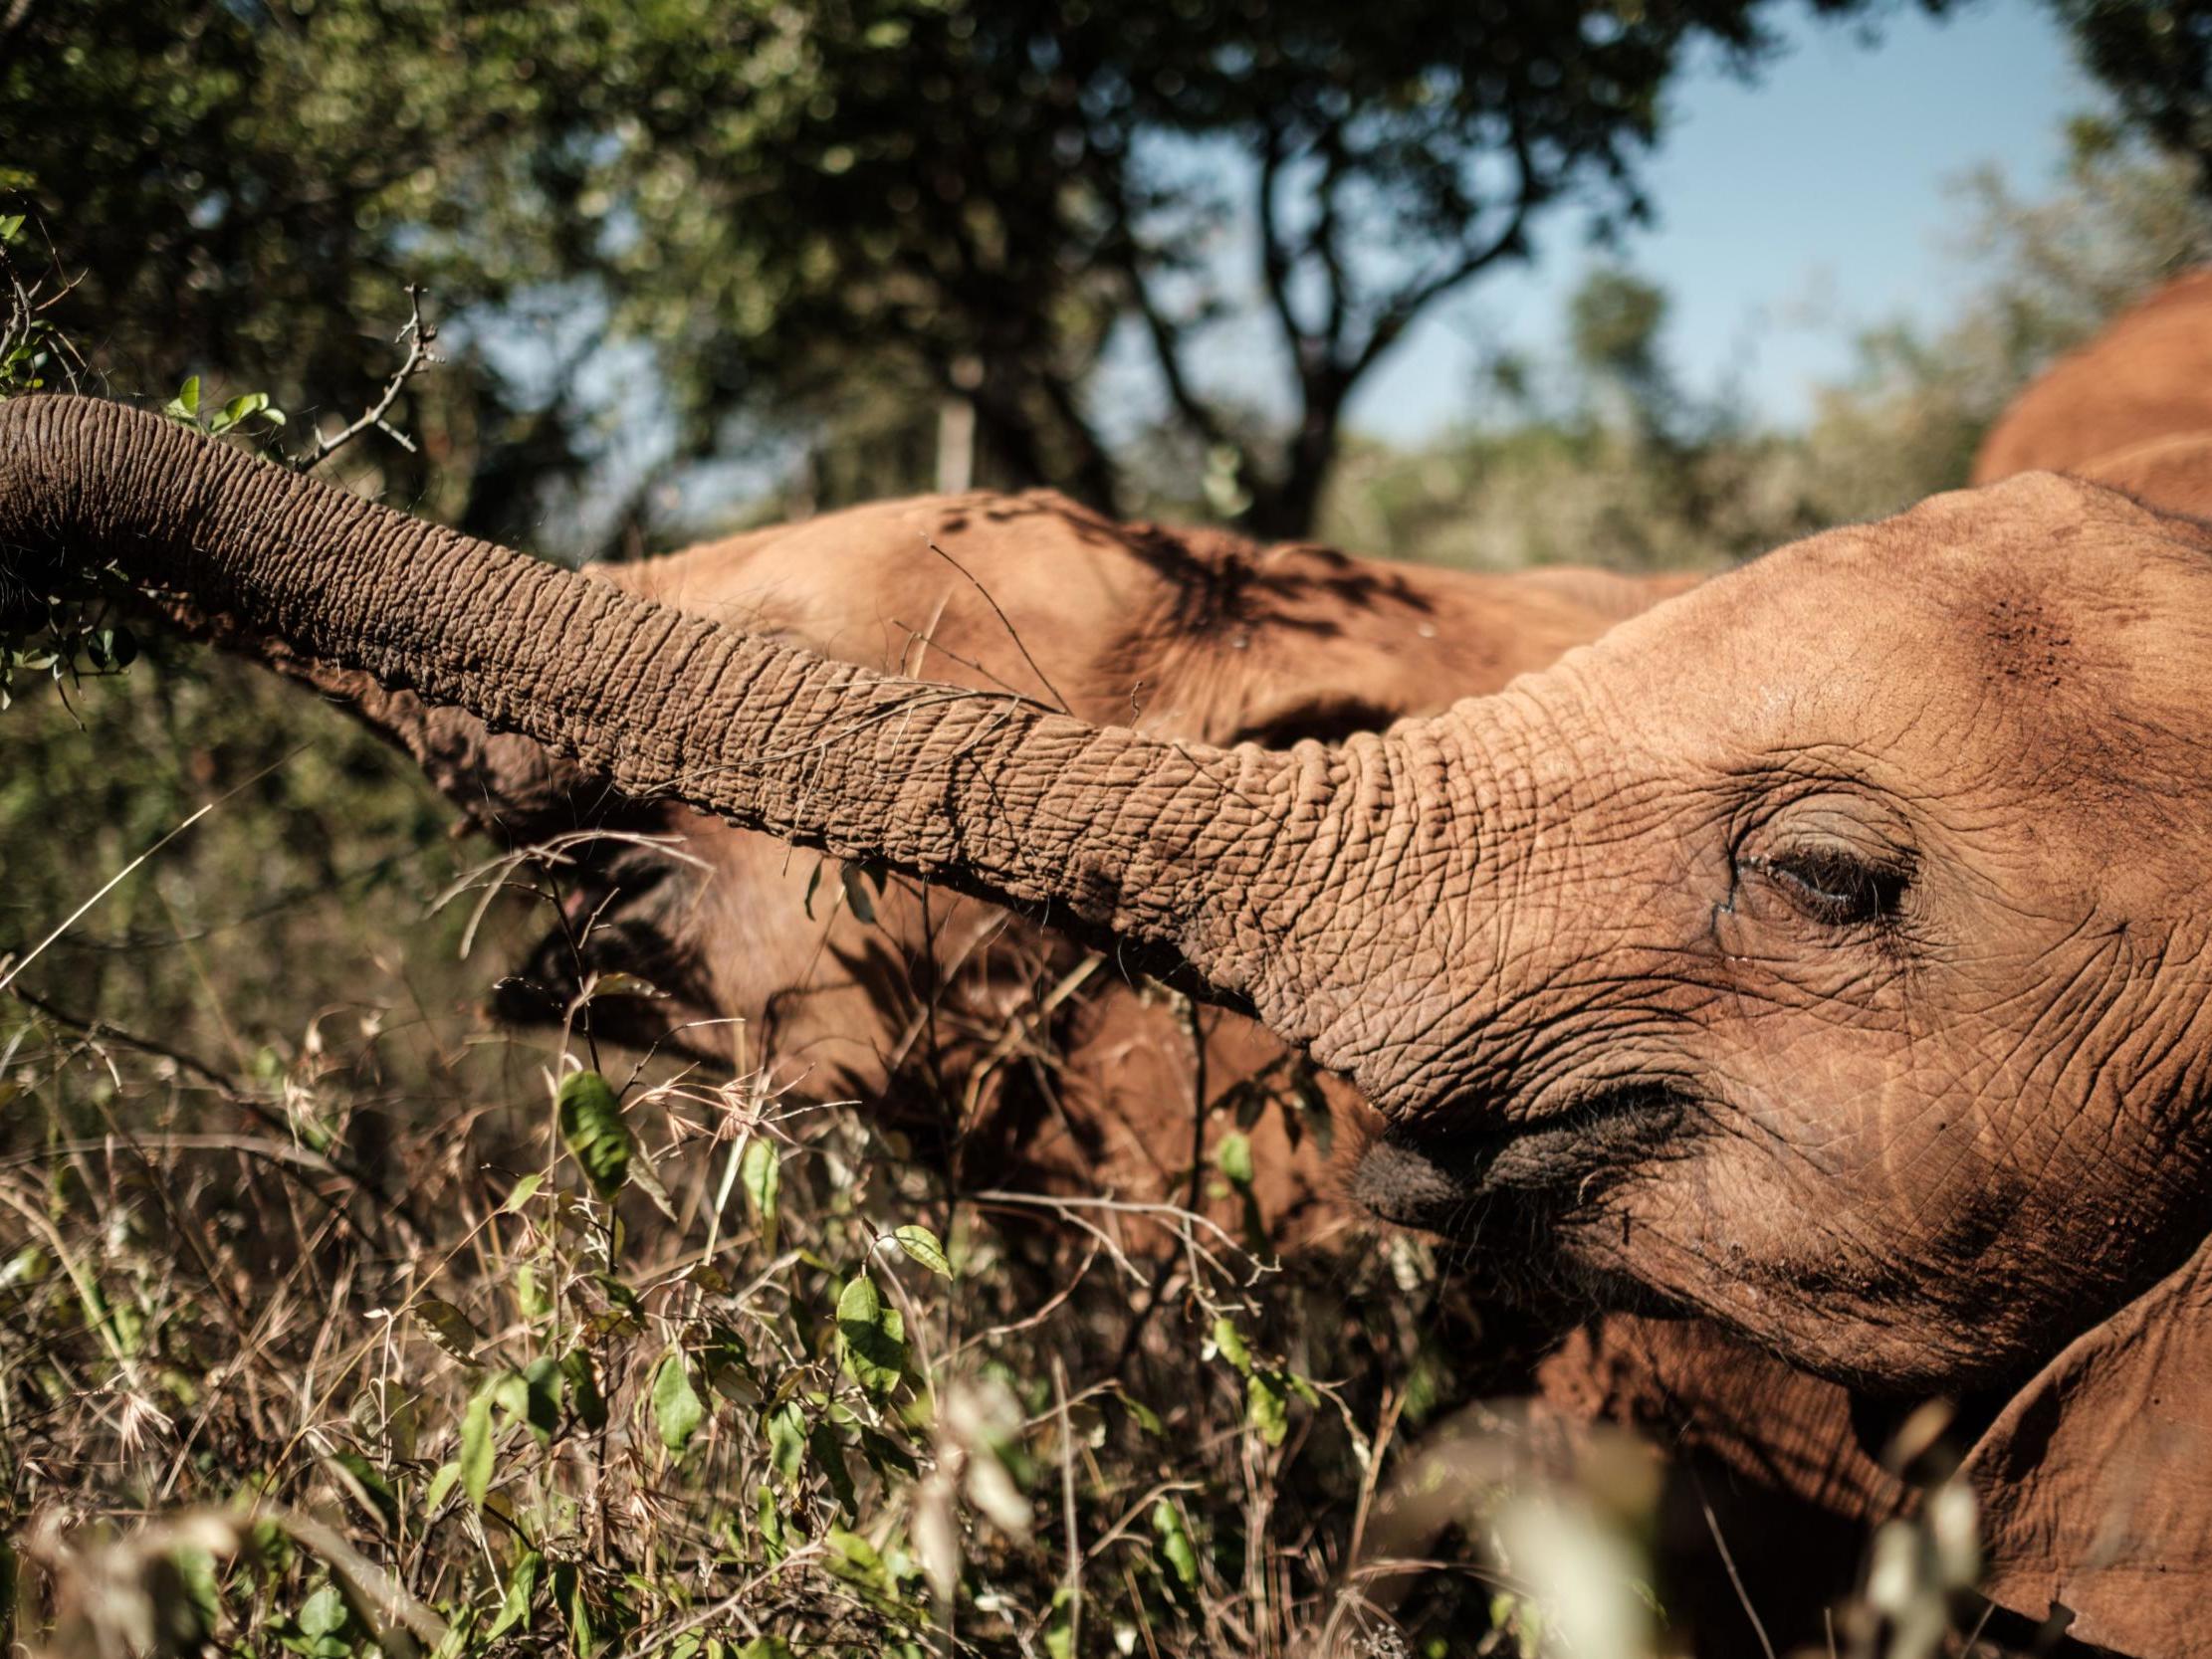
(419, 335)
(1067, 1512)
(1758, 1628)
(98, 1030)
(16, 969)
(1004, 621)
(1186, 1018)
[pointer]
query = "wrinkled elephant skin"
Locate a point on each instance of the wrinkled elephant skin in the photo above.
(1178, 633)
(1823, 952)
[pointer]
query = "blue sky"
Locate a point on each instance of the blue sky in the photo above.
(1792, 212)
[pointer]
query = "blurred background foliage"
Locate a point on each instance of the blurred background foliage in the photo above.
(699, 263)
(747, 211)
(1604, 457)
(884, 243)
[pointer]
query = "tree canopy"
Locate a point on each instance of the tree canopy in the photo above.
(2156, 56)
(776, 212)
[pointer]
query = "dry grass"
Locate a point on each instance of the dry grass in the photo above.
(318, 1335)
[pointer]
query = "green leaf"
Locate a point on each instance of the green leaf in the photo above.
(1059, 1632)
(1175, 1549)
(1267, 1406)
(855, 1559)
(568, 1588)
(195, 1571)
(440, 1485)
(921, 1244)
(787, 1430)
(1230, 1341)
(647, 1180)
(677, 1409)
(592, 1129)
(530, 1398)
(829, 1456)
(367, 1484)
(476, 1448)
(872, 1336)
(1233, 1158)
(521, 1587)
(1313, 1108)
(449, 1327)
(519, 1193)
(1147, 1418)
(243, 407)
(584, 1398)
(770, 1521)
(544, 1380)
(531, 1298)
(856, 895)
(186, 406)
(511, 1394)
(760, 1173)
(324, 1613)
(111, 650)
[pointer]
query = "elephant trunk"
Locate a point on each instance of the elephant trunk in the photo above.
(1205, 865)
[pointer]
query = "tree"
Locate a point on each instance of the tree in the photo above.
(953, 199)
(2156, 58)
(1613, 327)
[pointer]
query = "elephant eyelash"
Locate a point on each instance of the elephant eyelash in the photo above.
(1835, 888)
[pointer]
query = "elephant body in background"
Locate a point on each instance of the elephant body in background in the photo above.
(2132, 409)
(1183, 633)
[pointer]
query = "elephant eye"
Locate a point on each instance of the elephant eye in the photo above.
(1834, 886)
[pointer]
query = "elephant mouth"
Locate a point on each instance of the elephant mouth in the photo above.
(1454, 1181)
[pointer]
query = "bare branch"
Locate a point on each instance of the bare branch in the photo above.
(1004, 622)
(1095, 472)
(1323, 241)
(1166, 349)
(419, 335)
(329, 1160)
(1123, 249)
(1410, 301)
(1274, 258)
(24, 308)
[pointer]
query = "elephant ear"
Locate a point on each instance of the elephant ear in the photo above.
(2095, 1480)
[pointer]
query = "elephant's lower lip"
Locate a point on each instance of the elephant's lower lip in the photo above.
(1444, 1180)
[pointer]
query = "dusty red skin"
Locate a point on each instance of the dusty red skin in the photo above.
(1820, 955)
(2132, 409)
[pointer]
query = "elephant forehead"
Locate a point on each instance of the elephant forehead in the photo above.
(2036, 633)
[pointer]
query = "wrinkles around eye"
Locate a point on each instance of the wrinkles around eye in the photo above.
(1832, 885)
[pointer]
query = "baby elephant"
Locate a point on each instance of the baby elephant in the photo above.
(1820, 958)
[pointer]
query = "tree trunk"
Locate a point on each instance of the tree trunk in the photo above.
(1285, 508)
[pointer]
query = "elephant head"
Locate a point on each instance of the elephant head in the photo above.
(1822, 952)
